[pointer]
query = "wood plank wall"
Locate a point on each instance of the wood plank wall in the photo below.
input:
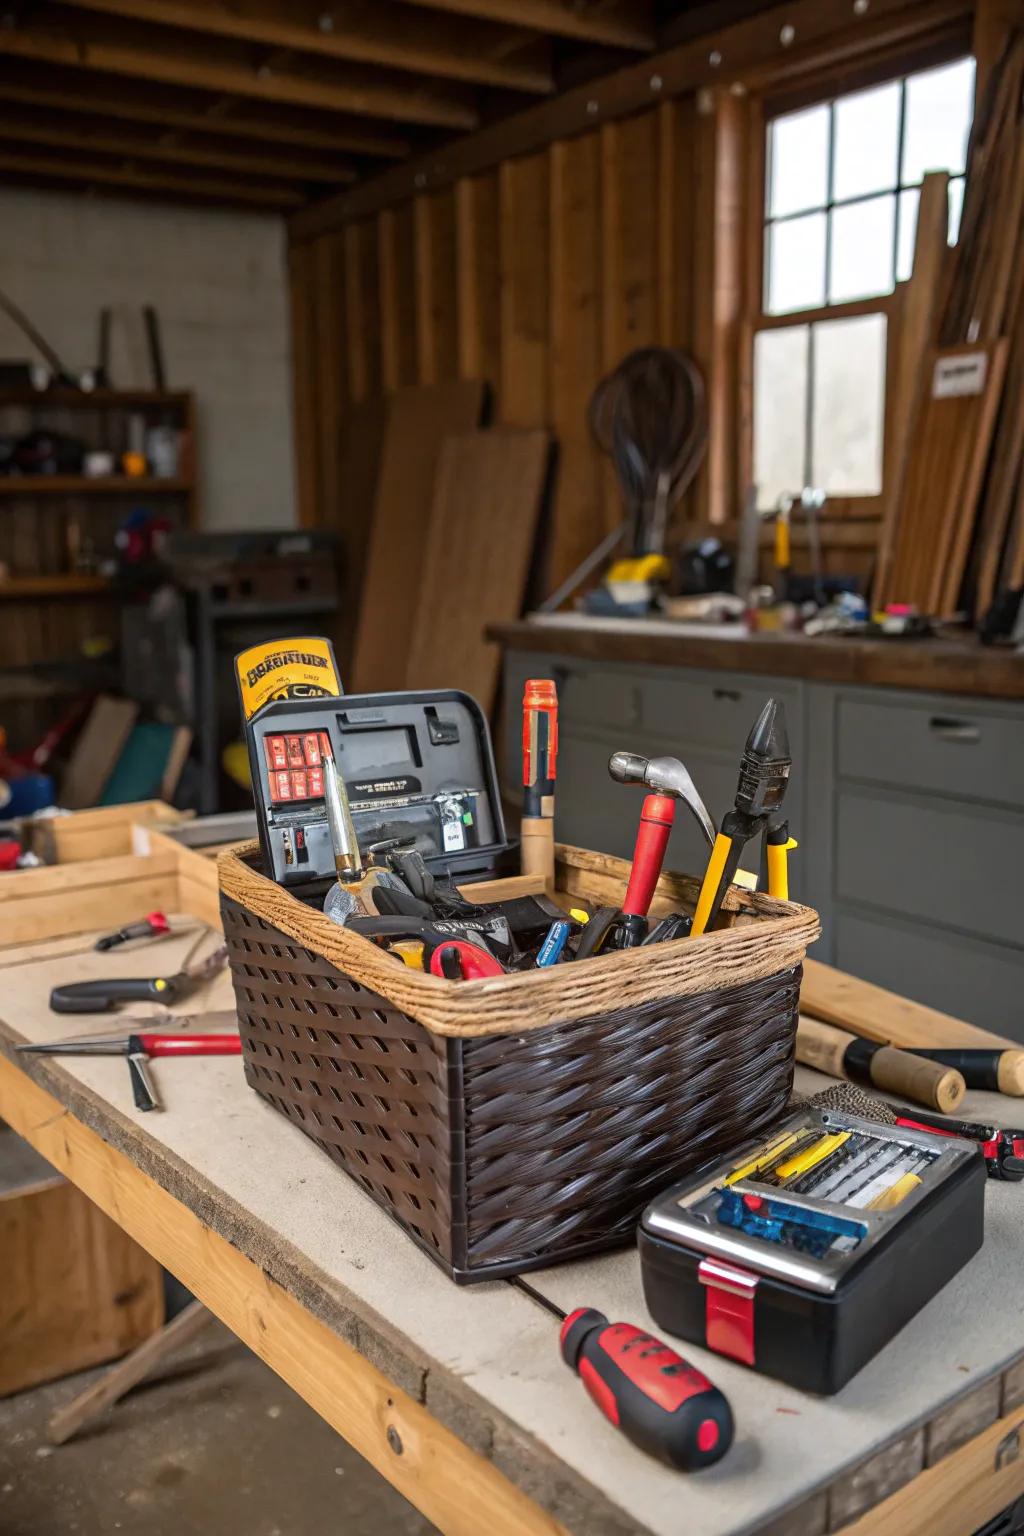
(537, 276)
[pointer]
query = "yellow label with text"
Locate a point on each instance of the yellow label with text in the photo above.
(286, 669)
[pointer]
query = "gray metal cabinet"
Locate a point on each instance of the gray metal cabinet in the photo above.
(917, 819)
(909, 809)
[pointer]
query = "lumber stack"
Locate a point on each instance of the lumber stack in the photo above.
(955, 529)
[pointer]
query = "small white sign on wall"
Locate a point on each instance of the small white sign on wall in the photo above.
(963, 374)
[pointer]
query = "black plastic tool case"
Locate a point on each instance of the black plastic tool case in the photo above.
(418, 766)
(814, 1341)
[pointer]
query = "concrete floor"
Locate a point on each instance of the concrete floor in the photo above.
(214, 1445)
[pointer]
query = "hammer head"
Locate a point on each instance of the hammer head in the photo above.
(667, 776)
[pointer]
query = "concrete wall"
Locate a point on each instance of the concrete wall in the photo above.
(218, 280)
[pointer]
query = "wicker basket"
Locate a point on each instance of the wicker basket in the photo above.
(511, 1122)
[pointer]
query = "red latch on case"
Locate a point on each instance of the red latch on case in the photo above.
(729, 1309)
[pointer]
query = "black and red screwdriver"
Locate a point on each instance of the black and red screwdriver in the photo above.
(661, 1402)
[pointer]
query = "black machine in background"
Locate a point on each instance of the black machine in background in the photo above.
(212, 595)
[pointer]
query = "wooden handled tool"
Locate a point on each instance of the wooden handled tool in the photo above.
(992, 1071)
(833, 1051)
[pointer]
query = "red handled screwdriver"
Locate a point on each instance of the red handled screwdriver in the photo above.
(656, 818)
(664, 1405)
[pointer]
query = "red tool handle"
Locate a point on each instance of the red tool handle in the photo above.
(656, 819)
(659, 1401)
(475, 962)
(190, 1045)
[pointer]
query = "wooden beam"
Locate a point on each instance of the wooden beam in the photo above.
(305, 412)
(141, 52)
(72, 132)
(399, 1437)
(524, 280)
(398, 41)
(747, 52)
(177, 109)
(74, 168)
(627, 24)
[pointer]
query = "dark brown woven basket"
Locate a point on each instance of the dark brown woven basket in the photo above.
(501, 1152)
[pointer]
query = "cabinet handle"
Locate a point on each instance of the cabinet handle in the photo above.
(955, 730)
(732, 694)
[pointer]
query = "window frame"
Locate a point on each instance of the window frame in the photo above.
(825, 88)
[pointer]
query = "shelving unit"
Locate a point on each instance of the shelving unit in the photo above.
(54, 606)
(85, 485)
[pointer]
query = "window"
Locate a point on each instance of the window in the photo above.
(842, 188)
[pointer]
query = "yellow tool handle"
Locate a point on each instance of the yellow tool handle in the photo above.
(778, 868)
(895, 1193)
(765, 1157)
(782, 542)
(812, 1157)
(713, 876)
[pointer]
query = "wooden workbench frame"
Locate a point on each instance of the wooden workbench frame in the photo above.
(432, 1436)
(399, 1436)
(944, 1479)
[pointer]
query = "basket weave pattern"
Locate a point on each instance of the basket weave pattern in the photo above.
(502, 1152)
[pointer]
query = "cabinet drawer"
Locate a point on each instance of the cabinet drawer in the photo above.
(939, 747)
(937, 861)
(712, 710)
(979, 982)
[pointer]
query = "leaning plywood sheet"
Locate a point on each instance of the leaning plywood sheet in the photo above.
(487, 498)
(484, 1360)
(419, 419)
(99, 745)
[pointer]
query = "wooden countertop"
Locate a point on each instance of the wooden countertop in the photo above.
(937, 666)
(457, 1395)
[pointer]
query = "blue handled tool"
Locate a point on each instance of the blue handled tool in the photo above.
(554, 942)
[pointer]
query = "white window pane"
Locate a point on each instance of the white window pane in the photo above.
(940, 103)
(907, 234)
(849, 404)
(780, 412)
(862, 250)
(796, 264)
(798, 162)
(867, 127)
(956, 208)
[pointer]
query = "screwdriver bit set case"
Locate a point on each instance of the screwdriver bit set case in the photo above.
(508, 1121)
(803, 1254)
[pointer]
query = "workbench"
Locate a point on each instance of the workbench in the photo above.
(905, 796)
(457, 1395)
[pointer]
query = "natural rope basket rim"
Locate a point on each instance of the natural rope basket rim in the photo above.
(775, 940)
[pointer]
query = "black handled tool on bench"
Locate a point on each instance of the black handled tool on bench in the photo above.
(102, 996)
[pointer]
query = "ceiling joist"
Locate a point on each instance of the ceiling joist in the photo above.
(621, 24)
(64, 168)
(126, 101)
(147, 53)
(70, 132)
(388, 36)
